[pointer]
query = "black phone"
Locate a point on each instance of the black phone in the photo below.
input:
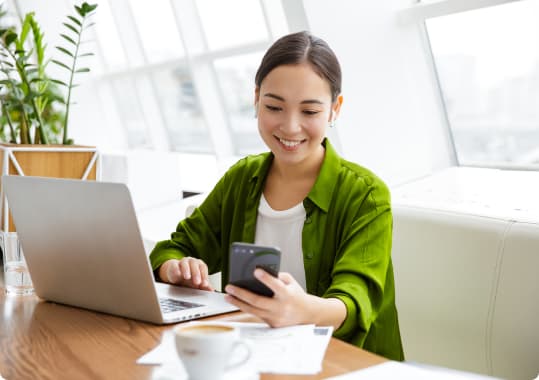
(245, 258)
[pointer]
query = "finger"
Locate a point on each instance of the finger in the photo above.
(173, 272)
(203, 268)
(248, 297)
(271, 282)
(247, 308)
(185, 271)
(194, 266)
(207, 287)
(286, 278)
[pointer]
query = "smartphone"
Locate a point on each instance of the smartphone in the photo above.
(245, 258)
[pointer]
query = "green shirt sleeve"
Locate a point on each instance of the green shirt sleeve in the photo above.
(361, 264)
(198, 236)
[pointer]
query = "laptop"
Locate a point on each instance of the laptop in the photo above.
(83, 248)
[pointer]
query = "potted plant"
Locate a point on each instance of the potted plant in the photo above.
(35, 108)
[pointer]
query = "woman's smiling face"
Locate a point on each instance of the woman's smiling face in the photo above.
(294, 108)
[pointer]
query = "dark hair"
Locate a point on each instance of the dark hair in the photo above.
(303, 47)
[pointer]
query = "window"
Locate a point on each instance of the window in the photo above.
(182, 72)
(487, 61)
(222, 26)
(112, 52)
(236, 80)
(157, 30)
(185, 125)
(128, 105)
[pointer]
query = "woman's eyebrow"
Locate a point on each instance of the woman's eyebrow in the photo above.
(270, 95)
(307, 101)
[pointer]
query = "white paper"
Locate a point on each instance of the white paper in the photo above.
(403, 371)
(288, 350)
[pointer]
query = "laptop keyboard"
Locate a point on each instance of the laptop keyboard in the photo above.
(169, 305)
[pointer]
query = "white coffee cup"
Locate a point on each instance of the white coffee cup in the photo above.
(206, 349)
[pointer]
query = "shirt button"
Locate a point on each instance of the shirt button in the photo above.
(309, 255)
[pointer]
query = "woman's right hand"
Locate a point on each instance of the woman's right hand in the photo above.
(188, 271)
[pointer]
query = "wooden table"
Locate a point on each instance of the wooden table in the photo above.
(43, 340)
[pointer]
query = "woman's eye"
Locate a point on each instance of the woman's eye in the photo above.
(272, 108)
(310, 113)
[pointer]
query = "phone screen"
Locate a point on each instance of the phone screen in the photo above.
(245, 258)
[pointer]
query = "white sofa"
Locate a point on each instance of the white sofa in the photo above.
(466, 261)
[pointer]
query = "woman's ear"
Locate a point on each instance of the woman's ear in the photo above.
(335, 109)
(257, 98)
(257, 95)
(336, 106)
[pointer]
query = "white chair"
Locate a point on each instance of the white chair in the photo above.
(466, 278)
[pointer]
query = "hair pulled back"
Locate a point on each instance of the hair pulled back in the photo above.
(298, 48)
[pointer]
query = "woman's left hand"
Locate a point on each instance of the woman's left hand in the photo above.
(288, 306)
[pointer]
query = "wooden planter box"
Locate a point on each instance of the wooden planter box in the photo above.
(59, 161)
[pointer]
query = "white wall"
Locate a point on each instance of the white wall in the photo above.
(391, 121)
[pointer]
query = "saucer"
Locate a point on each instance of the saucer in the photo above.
(175, 371)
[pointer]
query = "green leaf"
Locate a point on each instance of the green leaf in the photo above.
(34, 80)
(10, 37)
(83, 70)
(8, 64)
(87, 8)
(61, 64)
(65, 51)
(71, 27)
(69, 39)
(75, 20)
(59, 82)
(25, 29)
(86, 55)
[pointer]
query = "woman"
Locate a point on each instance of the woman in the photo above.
(330, 217)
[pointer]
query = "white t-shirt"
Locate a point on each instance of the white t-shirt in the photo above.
(283, 229)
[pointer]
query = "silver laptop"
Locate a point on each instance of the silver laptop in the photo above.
(83, 248)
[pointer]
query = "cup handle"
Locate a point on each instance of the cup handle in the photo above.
(245, 357)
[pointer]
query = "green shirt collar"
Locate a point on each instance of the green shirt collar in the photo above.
(322, 191)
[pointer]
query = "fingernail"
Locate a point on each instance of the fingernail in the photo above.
(229, 289)
(258, 273)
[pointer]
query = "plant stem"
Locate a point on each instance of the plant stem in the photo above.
(25, 134)
(42, 136)
(10, 123)
(72, 75)
(24, 79)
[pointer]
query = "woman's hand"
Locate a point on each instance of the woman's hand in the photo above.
(290, 304)
(188, 271)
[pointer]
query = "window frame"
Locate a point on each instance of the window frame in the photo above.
(418, 13)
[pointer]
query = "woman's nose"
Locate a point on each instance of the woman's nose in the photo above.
(291, 124)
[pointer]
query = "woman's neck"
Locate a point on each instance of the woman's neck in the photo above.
(304, 170)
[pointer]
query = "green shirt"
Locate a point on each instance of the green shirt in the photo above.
(346, 241)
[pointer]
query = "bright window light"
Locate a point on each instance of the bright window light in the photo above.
(487, 61)
(222, 26)
(130, 110)
(181, 110)
(236, 79)
(112, 51)
(158, 31)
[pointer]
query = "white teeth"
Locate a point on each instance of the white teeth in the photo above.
(289, 143)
